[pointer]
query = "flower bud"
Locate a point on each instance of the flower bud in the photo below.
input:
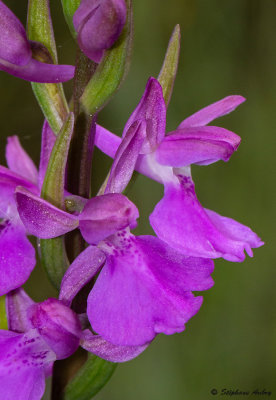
(58, 325)
(98, 24)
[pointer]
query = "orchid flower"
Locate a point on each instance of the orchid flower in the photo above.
(179, 219)
(149, 284)
(40, 334)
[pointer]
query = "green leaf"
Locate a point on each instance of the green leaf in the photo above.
(111, 71)
(69, 9)
(53, 254)
(90, 379)
(3, 313)
(50, 96)
(168, 71)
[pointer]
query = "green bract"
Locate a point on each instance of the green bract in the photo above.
(53, 254)
(50, 96)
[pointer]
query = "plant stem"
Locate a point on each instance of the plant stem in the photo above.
(78, 183)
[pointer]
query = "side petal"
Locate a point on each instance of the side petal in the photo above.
(203, 146)
(80, 272)
(152, 110)
(104, 215)
(17, 257)
(126, 157)
(107, 141)
(47, 143)
(36, 71)
(19, 161)
(8, 182)
(213, 111)
(97, 345)
(129, 304)
(14, 45)
(181, 221)
(41, 218)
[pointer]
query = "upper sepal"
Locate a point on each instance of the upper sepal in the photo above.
(213, 111)
(152, 110)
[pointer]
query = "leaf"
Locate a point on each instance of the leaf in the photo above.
(69, 9)
(50, 96)
(89, 380)
(111, 71)
(3, 313)
(53, 254)
(168, 71)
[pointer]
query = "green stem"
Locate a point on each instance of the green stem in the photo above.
(81, 149)
(78, 183)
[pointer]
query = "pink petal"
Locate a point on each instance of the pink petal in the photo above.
(41, 218)
(181, 221)
(14, 46)
(129, 303)
(17, 257)
(152, 110)
(213, 111)
(126, 157)
(106, 141)
(26, 384)
(202, 145)
(47, 143)
(80, 272)
(17, 304)
(97, 345)
(19, 161)
(36, 71)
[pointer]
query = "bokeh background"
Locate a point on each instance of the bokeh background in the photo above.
(228, 47)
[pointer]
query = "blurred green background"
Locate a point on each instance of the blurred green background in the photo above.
(228, 47)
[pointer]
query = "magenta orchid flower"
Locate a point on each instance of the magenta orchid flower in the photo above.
(99, 23)
(178, 218)
(38, 335)
(16, 53)
(149, 284)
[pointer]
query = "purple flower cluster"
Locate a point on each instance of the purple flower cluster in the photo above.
(143, 284)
